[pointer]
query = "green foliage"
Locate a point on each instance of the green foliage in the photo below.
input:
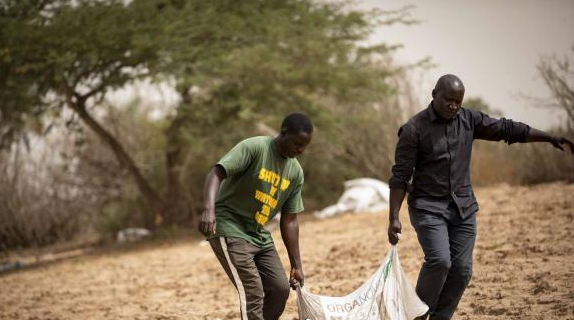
(279, 57)
(235, 65)
(54, 51)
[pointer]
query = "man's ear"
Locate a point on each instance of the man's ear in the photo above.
(433, 93)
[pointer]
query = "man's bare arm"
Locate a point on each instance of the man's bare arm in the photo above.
(290, 233)
(396, 199)
(207, 225)
(558, 142)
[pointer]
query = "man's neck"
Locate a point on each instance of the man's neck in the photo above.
(278, 144)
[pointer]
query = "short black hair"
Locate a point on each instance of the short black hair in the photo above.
(295, 123)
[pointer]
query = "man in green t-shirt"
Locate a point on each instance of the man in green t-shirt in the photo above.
(254, 181)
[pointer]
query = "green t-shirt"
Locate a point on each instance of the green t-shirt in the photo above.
(259, 184)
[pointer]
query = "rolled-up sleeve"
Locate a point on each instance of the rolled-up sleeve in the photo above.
(405, 158)
(487, 128)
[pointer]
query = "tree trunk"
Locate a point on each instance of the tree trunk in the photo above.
(156, 204)
(178, 212)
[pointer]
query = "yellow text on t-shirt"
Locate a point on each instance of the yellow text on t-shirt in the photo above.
(269, 200)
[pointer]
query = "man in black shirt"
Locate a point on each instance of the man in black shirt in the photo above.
(434, 149)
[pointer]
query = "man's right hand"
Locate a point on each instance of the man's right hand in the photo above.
(394, 231)
(296, 277)
(207, 223)
(561, 142)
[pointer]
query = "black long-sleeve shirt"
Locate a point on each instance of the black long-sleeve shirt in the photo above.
(436, 154)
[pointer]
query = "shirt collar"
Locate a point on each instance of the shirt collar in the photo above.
(434, 117)
(432, 114)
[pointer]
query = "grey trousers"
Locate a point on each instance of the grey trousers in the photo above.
(258, 276)
(447, 241)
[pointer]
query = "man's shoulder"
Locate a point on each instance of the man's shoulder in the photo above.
(471, 116)
(257, 142)
(469, 113)
(296, 164)
(417, 121)
(297, 168)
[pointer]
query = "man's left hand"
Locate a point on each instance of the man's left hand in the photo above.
(296, 277)
(559, 142)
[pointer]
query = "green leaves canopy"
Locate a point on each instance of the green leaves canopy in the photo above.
(234, 63)
(247, 57)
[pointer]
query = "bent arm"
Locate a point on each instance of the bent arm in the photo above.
(206, 223)
(290, 233)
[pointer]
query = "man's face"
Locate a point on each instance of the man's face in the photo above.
(447, 101)
(294, 144)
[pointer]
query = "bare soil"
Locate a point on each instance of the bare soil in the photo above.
(523, 267)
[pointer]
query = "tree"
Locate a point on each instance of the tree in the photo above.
(58, 54)
(260, 63)
(559, 78)
(233, 63)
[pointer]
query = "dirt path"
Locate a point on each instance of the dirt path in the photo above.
(524, 268)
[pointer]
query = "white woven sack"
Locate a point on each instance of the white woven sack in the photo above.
(387, 295)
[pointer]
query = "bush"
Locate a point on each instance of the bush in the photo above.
(520, 163)
(36, 206)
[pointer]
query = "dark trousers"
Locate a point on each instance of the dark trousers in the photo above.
(447, 241)
(258, 276)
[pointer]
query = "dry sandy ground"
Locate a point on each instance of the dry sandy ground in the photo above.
(524, 268)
